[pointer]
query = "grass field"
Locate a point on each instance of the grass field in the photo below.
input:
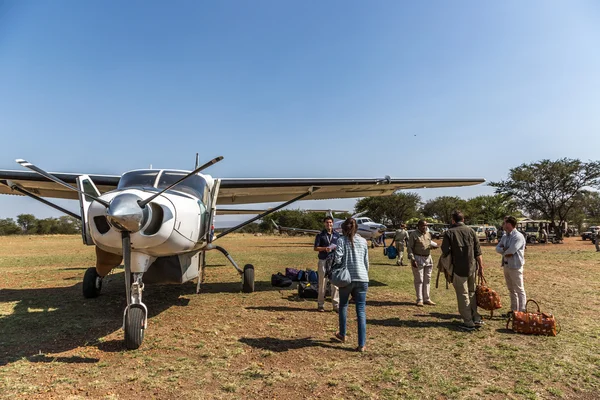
(270, 344)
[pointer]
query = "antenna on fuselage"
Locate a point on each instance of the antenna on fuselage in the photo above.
(197, 161)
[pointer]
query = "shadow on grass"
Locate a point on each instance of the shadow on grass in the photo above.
(67, 360)
(379, 303)
(281, 345)
(281, 308)
(236, 287)
(411, 323)
(504, 330)
(58, 319)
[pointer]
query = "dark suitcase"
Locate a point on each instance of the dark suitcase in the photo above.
(280, 280)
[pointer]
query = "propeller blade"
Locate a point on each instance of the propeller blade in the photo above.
(53, 178)
(194, 172)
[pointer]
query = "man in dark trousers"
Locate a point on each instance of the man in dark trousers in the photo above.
(325, 243)
(462, 243)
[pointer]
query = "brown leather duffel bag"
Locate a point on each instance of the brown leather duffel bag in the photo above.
(487, 298)
(533, 323)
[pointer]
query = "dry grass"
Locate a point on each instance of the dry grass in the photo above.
(270, 344)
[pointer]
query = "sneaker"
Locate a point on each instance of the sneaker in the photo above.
(466, 327)
(429, 303)
(321, 309)
(419, 304)
(479, 324)
(361, 349)
(339, 337)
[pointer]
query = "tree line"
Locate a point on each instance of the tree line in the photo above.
(27, 224)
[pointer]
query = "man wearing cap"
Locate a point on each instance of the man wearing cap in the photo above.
(400, 238)
(419, 254)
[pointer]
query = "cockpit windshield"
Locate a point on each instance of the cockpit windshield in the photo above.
(194, 185)
(139, 179)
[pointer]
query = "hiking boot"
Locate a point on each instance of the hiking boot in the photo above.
(466, 327)
(419, 304)
(429, 303)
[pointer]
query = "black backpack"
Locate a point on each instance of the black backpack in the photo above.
(280, 280)
(308, 290)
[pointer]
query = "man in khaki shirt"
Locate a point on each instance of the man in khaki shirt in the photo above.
(419, 254)
(400, 238)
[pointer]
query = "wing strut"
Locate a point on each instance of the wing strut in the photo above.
(19, 189)
(270, 211)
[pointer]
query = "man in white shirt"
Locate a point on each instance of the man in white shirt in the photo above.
(512, 248)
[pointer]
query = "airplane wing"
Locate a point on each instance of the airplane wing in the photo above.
(240, 190)
(37, 184)
(242, 211)
(251, 190)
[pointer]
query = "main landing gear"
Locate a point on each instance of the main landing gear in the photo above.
(247, 274)
(92, 283)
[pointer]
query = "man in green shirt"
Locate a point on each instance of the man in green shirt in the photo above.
(419, 254)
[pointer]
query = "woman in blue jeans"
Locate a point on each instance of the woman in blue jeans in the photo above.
(353, 252)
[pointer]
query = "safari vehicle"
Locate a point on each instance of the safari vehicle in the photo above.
(480, 231)
(531, 230)
(589, 233)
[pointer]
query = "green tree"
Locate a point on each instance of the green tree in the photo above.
(8, 226)
(441, 208)
(28, 223)
(550, 188)
(490, 209)
(390, 210)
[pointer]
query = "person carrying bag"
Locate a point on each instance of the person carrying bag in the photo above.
(352, 261)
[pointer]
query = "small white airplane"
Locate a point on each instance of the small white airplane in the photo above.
(158, 222)
(366, 227)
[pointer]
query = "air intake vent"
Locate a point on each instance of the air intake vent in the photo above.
(156, 219)
(102, 224)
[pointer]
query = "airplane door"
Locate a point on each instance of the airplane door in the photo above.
(86, 185)
(213, 209)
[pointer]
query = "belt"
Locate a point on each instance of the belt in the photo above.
(422, 255)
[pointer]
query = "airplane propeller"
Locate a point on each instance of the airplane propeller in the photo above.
(53, 178)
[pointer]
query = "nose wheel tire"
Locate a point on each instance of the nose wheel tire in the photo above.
(248, 279)
(134, 328)
(92, 283)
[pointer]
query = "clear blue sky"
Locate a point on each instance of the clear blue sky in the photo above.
(298, 88)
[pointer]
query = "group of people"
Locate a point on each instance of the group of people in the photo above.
(460, 243)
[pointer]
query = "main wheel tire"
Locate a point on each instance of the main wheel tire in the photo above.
(248, 279)
(531, 240)
(92, 283)
(134, 328)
